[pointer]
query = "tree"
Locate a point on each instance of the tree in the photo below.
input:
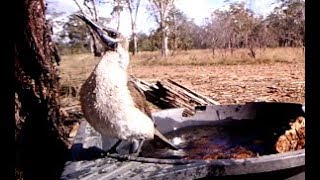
(181, 30)
(95, 45)
(133, 6)
(288, 22)
(259, 36)
(160, 10)
(233, 28)
(219, 30)
(148, 42)
(40, 136)
(118, 7)
(74, 35)
(199, 37)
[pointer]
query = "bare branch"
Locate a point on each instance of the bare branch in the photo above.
(80, 9)
(86, 5)
(95, 10)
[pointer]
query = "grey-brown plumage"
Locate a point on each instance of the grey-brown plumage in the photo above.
(139, 98)
(141, 103)
(111, 103)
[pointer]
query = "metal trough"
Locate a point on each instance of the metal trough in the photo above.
(87, 163)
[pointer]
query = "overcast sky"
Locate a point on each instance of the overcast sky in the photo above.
(195, 9)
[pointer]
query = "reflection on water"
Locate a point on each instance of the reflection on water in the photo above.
(208, 142)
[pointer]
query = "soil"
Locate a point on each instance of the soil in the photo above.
(230, 84)
(226, 84)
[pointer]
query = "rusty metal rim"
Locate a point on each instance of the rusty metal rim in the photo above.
(270, 157)
(262, 164)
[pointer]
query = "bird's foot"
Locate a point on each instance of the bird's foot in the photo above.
(133, 155)
(113, 149)
(135, 148)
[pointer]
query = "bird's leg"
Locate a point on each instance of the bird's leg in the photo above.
(136, 146)
(113, 149)
(164, 140)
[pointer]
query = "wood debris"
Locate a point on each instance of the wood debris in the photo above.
(170, 94)
(294, 138)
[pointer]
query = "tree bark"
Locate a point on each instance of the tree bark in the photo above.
(164, 44)
(162, 9)
(133, 7)
(213, 52)
(135, 43)
(252, 52)
(40, 137)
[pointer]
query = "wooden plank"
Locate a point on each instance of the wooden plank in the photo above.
(209, 100)
(170, 94)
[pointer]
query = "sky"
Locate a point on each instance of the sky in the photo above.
(194, 9)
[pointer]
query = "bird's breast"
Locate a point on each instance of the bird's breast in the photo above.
(109, 108)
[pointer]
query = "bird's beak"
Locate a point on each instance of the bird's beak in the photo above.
(107, 35)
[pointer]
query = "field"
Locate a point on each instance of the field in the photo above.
(275, 75)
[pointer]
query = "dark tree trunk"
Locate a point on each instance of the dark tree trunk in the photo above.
(252, 52)
(213, 52)
(40, 137)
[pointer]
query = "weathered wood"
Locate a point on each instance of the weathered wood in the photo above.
(201, 97)
(170, 94)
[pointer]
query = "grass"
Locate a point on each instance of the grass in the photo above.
(74, 69)
(222, 57)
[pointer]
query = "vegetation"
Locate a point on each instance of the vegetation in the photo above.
(230, 29)
(77, 67)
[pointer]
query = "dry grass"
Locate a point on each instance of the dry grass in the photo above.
(222, 57)
(275, 75)
(74, 69)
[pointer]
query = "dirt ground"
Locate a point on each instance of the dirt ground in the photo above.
(229, 84)
(226, 84)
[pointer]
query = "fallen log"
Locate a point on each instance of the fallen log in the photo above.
(170, 94)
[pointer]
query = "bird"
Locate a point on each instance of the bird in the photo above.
(111, 103)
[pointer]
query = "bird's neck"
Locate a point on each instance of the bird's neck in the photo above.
(124, 56)
(119, 57)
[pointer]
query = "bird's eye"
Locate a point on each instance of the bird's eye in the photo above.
(113, 34)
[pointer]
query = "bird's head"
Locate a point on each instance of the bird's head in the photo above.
(111, 39)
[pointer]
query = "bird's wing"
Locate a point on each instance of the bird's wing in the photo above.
(139, 98)
(141, 103)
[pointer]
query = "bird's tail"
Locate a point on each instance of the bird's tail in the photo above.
(166, 141)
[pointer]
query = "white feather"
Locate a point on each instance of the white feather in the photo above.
(107, 103)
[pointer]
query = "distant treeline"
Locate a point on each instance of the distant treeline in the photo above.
(236, 27)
